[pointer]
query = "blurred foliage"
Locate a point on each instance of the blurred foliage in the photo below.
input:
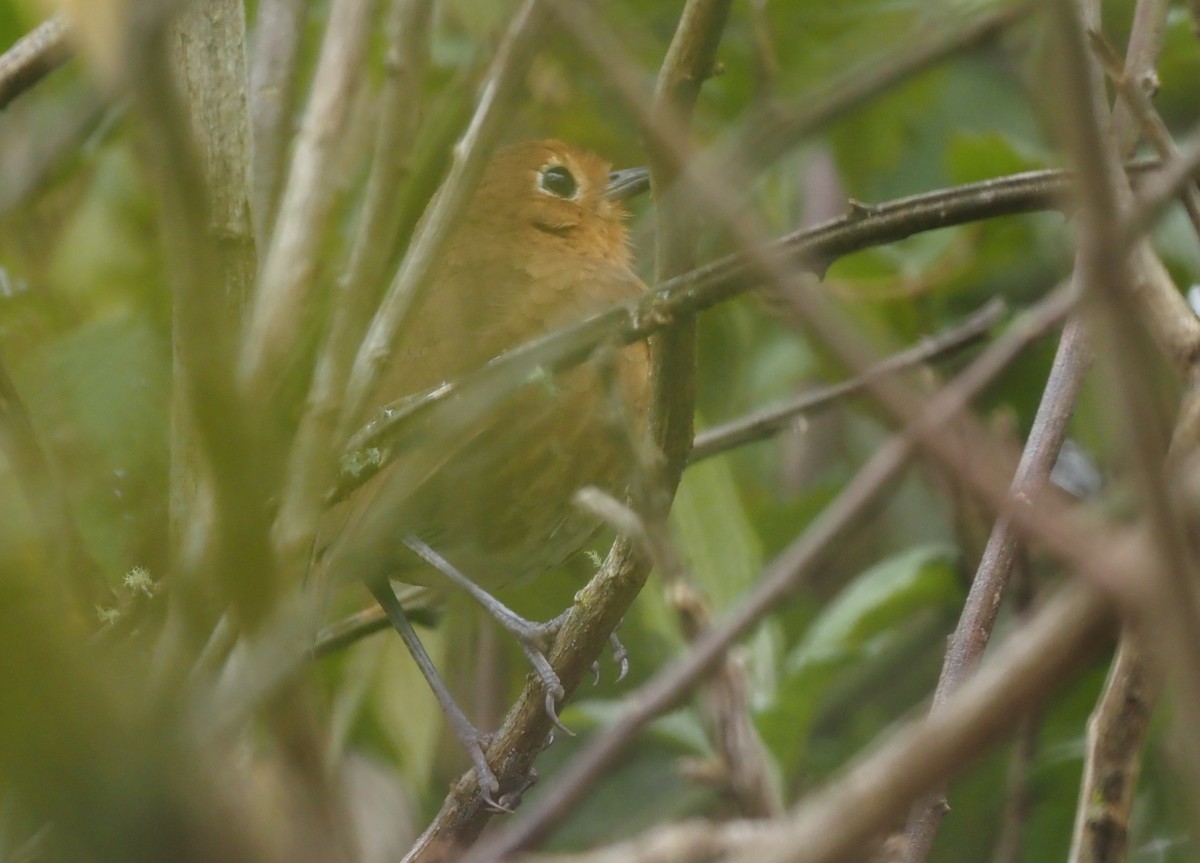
(85, 330)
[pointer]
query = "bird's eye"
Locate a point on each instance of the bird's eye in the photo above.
(558, 181)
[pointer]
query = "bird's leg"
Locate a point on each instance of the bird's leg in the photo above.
(472, 739)
(535, 638)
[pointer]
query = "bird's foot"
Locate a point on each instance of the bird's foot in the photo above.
(535, 639)
(620, 657)
(474, 741)
(510, 800)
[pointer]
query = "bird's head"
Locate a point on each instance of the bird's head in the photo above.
(551, 193)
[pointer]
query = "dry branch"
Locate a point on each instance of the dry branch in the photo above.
(34, 56)
(289, 269)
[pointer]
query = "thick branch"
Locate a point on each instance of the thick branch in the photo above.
(974, 629)
(278, 28)
(706, 286)
(1025, 672)
(784, 576)
(290, 263)
(1116, 734)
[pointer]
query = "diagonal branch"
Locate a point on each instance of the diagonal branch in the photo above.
(706, 286)
(770, 421)
(496, 96)
(594, 617)
(34, 56)
(1128, 323)
(781, 579)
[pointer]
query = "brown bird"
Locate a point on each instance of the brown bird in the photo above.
(542, 244)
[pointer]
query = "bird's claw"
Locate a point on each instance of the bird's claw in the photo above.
(620, 656)
(552, 712)
(492, 805)
(503, 806)
(489, 785)
(551, 685)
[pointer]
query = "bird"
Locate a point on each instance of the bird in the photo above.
(542, 244)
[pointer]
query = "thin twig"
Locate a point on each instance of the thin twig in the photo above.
(1157, 193)
(1141, 419)
(770, 421)
(34, 56)
(1025, 671)
(419, 604)
(697, 290)
(496, 95)
(1152, 126)
(724, 705)
(785, 575)
(689, 62)
(1146, 40)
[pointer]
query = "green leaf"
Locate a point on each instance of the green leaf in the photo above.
(724, 554)
(715, 534)
(981, 156)
(922, 577)
(855, 628)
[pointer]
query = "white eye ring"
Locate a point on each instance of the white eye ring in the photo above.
(557, 180)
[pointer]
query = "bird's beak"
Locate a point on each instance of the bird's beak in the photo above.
(627, 183)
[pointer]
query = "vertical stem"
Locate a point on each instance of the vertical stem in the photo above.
(208, 50)
(278, 32)
(974, 628)
(290, 262)
(313, 462)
